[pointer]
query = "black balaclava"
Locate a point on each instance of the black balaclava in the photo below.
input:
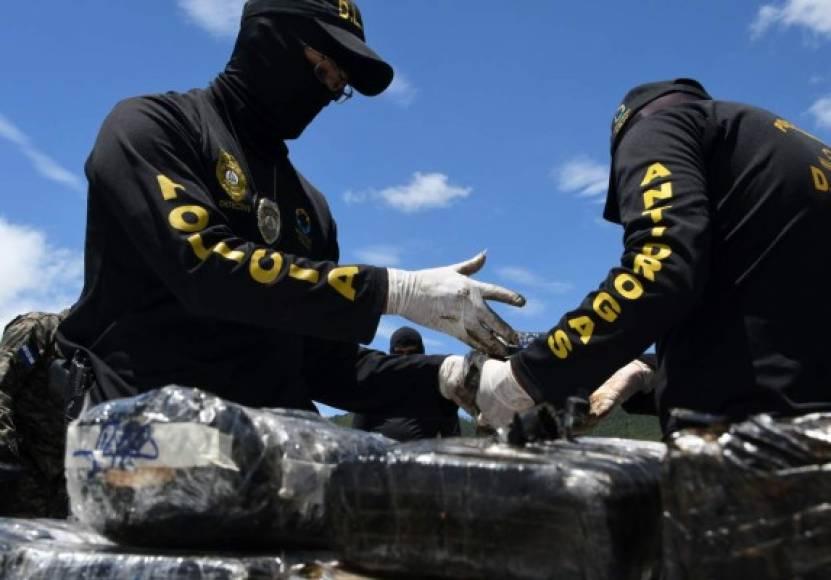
(268, 86)
(406, 337)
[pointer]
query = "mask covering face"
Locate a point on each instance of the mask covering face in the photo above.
(271, 81)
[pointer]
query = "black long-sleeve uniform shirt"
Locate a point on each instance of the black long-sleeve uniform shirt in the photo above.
(726, 266)
(183, 285)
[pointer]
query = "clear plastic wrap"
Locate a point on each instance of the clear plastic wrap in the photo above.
(750, 500)
(524, 339)
(60, 550)
(471, 508)
(181, 468)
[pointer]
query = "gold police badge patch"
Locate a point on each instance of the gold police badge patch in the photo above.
(230, 176)
(268, 220)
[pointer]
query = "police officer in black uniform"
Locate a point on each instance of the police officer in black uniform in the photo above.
(726, 267)
(211, 262)
(407, 341)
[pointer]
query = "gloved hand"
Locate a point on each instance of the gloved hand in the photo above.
(500, 395)
(485, 388)
(447, 300)
(459, 380)
(634, 377)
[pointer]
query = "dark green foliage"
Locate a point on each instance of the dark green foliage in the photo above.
(342, 420)
(468, 427)
(622, 424)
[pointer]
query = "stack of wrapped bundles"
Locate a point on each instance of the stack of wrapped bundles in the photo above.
(752, 500)
(179, 468)
(60, 550)
(472, 508)
(10, 477)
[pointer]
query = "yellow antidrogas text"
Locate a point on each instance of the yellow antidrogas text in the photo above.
(584, 327)
(560, 344)
(628, 286)
(655, 171)
(606, 307)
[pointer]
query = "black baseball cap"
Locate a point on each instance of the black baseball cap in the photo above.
(640, 96)
(633, 103)
(342, 24)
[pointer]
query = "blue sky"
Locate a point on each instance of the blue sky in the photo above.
(494, 135)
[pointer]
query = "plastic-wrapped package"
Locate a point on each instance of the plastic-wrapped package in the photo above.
(25, 492)
(472, 508)
(750, 500)
(178, 467)
(524, 340)
(60, 550)
(10, 475)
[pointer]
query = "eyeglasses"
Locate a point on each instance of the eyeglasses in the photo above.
(339, 86)
(342, 94)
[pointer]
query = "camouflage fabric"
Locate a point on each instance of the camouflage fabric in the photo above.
(32, 427)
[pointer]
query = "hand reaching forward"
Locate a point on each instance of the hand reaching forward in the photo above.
(626, 381)
(448, 300)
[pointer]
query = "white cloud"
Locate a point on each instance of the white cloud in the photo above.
(402, 92)
(380, 255)
(821, 110)
(583, 176)
(533, 307)
(814, 15)
(527, 278)
(219, 17)
(34, 275)
(425, 191)
(42, 163)
(356, 196)
(11, 133)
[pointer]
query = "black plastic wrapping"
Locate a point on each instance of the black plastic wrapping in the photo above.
(10, 476)
(471, 508)
(181, 468)
(60, 550)
(751, 501)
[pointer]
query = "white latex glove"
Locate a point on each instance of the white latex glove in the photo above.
(447, 300)
(452, 384)
(492, 399)
(500, 396)
(627, 381)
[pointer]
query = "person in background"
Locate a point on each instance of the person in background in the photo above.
(407, 341)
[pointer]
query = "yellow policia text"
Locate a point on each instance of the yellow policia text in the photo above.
(628, 286)
(264, 265)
